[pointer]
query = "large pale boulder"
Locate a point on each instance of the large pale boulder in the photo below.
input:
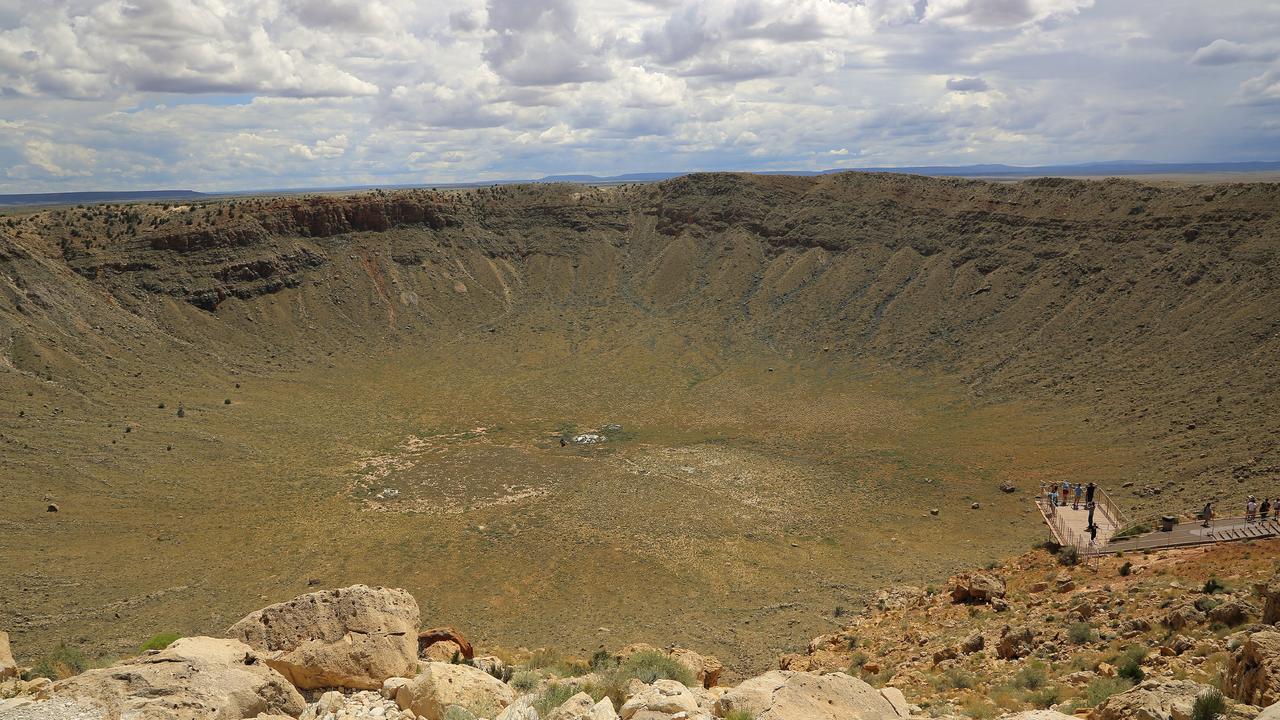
(441, 685)
(8, 667)
(194, 678)
(1253, 675)
(1154, 699)
(582, 707)
(786, 695)
(663, 699)
(353, 637)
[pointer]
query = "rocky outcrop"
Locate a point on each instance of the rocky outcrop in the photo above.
(195, 678)
(1232, 612)
(706, 669)
(442, 685)
(8, 667)
(1270, 594)
(1253, 676)
(1015, 642)
(784, 695)
(978, 587)
(582, 707)
(354, 637)
(1155, 699)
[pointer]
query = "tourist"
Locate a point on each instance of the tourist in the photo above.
(1053, 497)
(1265, 508)
(1207, 514)
(1066, 490)
(1090, 506)
(1250, 509)
(1093, 533)
(1088, 492)
(1075, 504)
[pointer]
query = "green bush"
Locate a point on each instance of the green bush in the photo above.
(1126, 568)
(1132, 672)
(1132, 531)
(63, 662)
(1081, 633)
(602, 660)
(1213, 585)
(525, 680)
(1099, 689)
(978, 709)
(1032, 676)
(1209, 705)
(856, 662)
(1069, 556)
(553, 697)
(159, 641)
(739, 715)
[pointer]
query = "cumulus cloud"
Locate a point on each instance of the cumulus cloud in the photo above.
(1226, 52)
(217, 94)
(967, 84)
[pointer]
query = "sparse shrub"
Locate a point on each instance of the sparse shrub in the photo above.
(741, 715)
(524, 681)
(1099, 689)
(1081, 633)
(1033, 676)
(650, 665)
(1069, 556)
(1213, 585)
(159, 641)
(1209, 705)
(958, 679)
(1045, 697)
(856, 662)
(1132, 531)
(457, 712)
(1205, 604)
(63, 662)
(1132, 671)
(978, 709)
(602, 660)
(553, 697)
(1126, 568)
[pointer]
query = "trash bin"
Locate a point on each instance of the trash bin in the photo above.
(1167, 522)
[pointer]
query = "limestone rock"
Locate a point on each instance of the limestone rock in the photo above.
(1270, 594)
(1253, 675)
(1232, 613)
(582, 707)
(973, 644)
(441, 685)
(897, 700)
(196, 677)
(1182, 615)
(8, 667)
(1154, 699)
(977, 587)
(353, 637)
(448, 636)
(785, 695)
(663, 699)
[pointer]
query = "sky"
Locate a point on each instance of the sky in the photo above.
(229, 94)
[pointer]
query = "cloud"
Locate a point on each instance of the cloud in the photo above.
(1226, 52)
(999, 14)
(1263, 89)
(967, 84)
(538, 42)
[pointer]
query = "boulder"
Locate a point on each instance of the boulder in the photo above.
(442, 651)
(520, 709)
(819, 661)
(785, 695)
(1182, 616)
(427, 638)
(1253, 675)
(353, 637)
(582, 707)
(663, 699)
(1232, 613)
(1154, 699)
(1272, 712)
(978, 587)
(1015, 642)
(973, 644)
(195, 677)
(8, 666)
(441, 685)
(897, 700)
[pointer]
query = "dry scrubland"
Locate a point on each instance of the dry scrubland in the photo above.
(374, 386)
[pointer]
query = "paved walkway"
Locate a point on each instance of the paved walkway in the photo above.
(1076, 522)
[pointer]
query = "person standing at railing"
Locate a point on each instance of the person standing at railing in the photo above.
(1250, 509)
(1075, 503)
(1265, 508)
(1053, 498)
(1066, 490)
(1091, 505)
(1088, 493)
(1207, 514)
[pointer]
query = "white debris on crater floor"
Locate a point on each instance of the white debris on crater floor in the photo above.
(588, 439)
